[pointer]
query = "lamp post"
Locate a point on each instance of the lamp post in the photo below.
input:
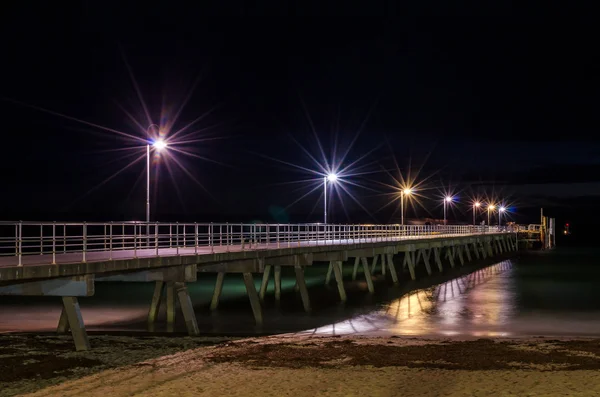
(500, 211)
(476, 205)
(405, 192)
(447, 200)
(490, 207)
(158, 145)
(329, 178)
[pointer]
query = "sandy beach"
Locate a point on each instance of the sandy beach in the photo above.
(303, 366)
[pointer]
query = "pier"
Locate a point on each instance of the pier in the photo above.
(66, 260)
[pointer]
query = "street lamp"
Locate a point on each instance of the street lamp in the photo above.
(447, 200)
(331, 177)
(475, 206)
(500, 211)
(158, 145)
(490, 207)
(405, 192)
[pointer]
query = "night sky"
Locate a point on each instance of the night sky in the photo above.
(484, 106)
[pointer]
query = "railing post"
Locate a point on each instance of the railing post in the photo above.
(210, 237)
(110, 240)
(170, 235)
(54, 243)
(64, 238)
(19, 241)
(184, 235)
(227, 236)
(104, 237)
(277, 232)
(195, 238)
(134, 241)
(177, 236)
(156, 237)
(41, 239)
(84, 240)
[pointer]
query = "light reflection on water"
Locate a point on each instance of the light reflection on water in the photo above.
(477, 304)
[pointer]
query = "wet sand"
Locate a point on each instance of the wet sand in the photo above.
(300, 366)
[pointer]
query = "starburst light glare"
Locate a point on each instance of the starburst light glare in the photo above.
(159, 144)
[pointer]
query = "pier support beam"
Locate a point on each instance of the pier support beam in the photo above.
(426, 253)
(214, 303)
(383, 264)
(476, 249)
(71, 319)
(390, 263)
(374, 265)
(301, 282)
(277, 277)
(450, 255)
(409, 260)
(155, 304)
(254, 300)
(468, 252)
(170, 306)
(337, 270)
(355, 270)
(187, 309)
(368, 277)
(438, 260)
(329, 272)
(265, 282)
(459, 250)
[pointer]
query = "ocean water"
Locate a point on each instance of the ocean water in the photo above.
(551, 293)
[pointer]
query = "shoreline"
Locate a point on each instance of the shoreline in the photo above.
(46, 365)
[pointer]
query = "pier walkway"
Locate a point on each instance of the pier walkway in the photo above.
(67, 259)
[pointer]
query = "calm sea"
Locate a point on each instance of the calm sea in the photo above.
(552, 293)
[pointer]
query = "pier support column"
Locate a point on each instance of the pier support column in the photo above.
(265, 282)
(355, 270)
(475, 250)
(329, 271)
(409, 260)
(374, 265)
(337, 270)
(301, 282)
(490, 249)
(277, 277)
(254, 300)
(187, 309)
(483, 247)
(155, 304)
(459, 250)
(425, 253)
(438, 260)
(383, 265)
(63, 322)
(368, 277)
(450, 255)
(170, 306)
(214, 303)
(72, 313)
(419, 254)
(390, 263)
(468, 252)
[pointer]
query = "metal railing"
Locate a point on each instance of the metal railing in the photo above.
(120, 240)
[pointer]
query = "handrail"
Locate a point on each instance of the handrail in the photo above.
(89, 241)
